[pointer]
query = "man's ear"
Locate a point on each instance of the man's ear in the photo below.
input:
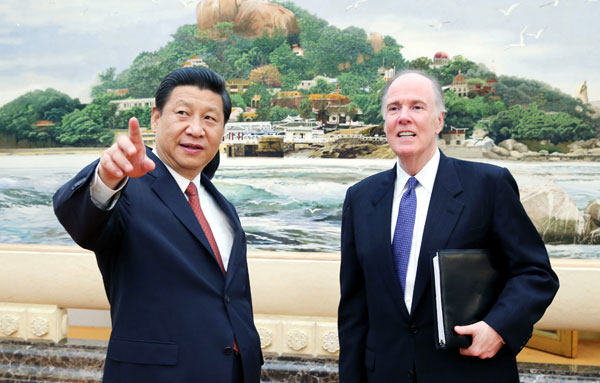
(154, 118)
(440, 123)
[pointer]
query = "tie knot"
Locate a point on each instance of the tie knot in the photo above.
(191, 190)
(412, 183)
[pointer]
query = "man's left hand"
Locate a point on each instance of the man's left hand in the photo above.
(486, 341)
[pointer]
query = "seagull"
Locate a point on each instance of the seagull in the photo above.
(537, 34)
(312, 211)
(521, 42)
(439, 25)
(552, 4)
(186, 3)
(509, 10)
(355, 4)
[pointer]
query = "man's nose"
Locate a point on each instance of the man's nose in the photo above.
(404, 115)
(196, 127)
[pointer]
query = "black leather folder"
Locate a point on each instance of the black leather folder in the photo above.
(466, 284)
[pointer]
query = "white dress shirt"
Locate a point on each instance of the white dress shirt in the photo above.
(426, 178)
(106, 198)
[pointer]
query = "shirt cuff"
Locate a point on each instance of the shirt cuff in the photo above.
(104, 197)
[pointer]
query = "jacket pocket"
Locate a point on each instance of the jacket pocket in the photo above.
(142, 352)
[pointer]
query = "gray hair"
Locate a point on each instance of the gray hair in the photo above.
(438, 94)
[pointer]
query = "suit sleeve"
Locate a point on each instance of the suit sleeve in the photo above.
(531, 282)
(353, 322)
(83, 220)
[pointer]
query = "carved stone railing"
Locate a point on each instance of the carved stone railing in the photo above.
(295, 296)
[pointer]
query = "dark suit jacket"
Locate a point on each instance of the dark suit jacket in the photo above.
(174, 314)
(473, 205)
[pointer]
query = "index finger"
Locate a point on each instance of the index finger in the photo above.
(134, 132)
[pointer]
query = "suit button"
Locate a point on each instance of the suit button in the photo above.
(413, 329)
(227, 299)
(228, 351)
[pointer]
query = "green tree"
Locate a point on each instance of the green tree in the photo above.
(143, 115)
(238, 101)
(352, 85)
(372, 107)
(78, 129)
(278, 113)
(420, 63)
(322, 87)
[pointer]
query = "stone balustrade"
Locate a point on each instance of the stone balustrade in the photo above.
(295, 295)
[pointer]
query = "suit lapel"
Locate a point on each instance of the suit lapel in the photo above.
(379, 218)
(238, 234)
(167, 190)
(442, 215)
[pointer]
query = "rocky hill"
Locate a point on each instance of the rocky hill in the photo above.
(250, 17)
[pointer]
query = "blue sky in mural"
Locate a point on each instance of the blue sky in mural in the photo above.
(64, 44)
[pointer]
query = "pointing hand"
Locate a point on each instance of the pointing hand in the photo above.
(125, 158)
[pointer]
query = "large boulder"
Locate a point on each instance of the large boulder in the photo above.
(512, 144)
(508, 144)
(500, 151)
(553, 213)
(251, 18)
(593, 209)
(211, 12)
(256, 16)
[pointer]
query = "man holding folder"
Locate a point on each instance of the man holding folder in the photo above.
(394, 223)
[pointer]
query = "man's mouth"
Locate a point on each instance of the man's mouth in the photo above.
(406, 134)
(190, 146)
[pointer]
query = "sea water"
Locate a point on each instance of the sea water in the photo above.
(285, 204)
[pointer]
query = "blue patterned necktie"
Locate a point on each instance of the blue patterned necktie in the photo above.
(404, 230)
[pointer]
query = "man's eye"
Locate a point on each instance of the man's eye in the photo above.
(181, 112)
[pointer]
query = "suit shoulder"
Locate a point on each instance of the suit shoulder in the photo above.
(477, 168)
(367, 185)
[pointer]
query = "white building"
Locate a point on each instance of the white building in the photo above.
(195, 61)
(307, 84)
(132, 102)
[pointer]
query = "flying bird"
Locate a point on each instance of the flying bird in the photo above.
(509, 10)
(439, 25)
(551, 4)
(521, 42)
(537, 34)
(186, 3)
(355, 4)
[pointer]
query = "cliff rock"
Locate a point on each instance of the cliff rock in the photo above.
(553, 213)
(376, 41)
(250, 17)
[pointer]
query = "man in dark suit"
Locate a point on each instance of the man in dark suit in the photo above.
(170, 247)
(393, 224)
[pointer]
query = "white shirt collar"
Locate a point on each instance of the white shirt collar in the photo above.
(426, 176)
(182, 182)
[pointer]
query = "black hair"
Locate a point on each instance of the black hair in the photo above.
(203, 78)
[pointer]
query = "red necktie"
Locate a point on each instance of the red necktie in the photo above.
(192, 193)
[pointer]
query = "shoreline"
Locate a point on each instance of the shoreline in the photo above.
(44, 151)
(460, 152)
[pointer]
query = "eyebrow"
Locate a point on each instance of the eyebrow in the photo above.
(190, 105)
(410, 101)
